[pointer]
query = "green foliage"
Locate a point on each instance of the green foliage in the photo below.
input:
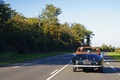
(117, 50)
(115, 55)
(109, 48)
(5, 13)
(42, 34)
(88, 36)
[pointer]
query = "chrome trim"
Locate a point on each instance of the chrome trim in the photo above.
(88, 66)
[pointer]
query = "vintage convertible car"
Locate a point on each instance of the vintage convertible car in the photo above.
(88, 58)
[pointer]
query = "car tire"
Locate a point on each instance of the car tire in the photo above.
(100, 69)
(74, 69)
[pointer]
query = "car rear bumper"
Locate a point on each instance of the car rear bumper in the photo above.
(88, 66)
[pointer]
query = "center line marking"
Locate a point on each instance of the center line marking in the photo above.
(57, 72)
(112, 67)
(16, 66)
(53, 71)
(36, 62)
(107, 63)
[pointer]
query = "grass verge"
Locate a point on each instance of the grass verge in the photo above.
(12, 57)
(115, 55)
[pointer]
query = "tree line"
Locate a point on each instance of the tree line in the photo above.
(107, 48)
(44, 33)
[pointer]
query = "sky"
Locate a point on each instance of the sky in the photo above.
(100, 16)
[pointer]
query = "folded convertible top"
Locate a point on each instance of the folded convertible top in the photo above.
(88, 50)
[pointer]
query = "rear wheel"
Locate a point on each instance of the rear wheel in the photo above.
(74, 69)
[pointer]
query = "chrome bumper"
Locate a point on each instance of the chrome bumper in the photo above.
(88, 66)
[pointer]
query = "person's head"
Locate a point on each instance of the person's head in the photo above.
(88, 51)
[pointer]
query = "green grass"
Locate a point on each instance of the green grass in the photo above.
(115, 55)
(12, 57)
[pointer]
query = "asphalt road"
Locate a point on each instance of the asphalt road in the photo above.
(58, 68)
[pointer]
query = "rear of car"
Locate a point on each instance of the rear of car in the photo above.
(87, 61)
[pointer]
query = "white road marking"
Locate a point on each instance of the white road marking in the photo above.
(107, 63)
(112, 67)
(16, 66)
(36, 62)
(57, 72)
(25, 64)
(119, 74)
(104, 60)
(53, 71)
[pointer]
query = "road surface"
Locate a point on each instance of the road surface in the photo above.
(58, 68)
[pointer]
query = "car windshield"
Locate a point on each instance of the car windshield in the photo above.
(90, 50)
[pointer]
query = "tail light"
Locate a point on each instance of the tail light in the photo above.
(77, 62)
(96, 63)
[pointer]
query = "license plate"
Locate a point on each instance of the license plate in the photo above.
(87, 62)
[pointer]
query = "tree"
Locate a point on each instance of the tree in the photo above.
(25, 33)
(1, 2)
(105, 47)
(81, 34)
(65, 37)
(88, 36)
(50, 24)
(42, 34)
(78, 31)
(5, 12)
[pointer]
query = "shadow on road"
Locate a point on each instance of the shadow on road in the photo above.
(54, 60)
(109, 70)
(109, 59)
